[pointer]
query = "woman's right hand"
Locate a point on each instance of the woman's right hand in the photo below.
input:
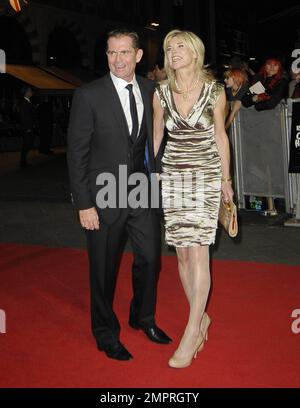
(227, 191)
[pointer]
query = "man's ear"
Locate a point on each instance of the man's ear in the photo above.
(139, 55)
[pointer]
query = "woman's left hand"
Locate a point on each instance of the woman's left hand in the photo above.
(227, 191)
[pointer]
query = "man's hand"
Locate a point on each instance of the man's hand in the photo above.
(89, 219)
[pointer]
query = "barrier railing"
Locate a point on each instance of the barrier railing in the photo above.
(260, 146)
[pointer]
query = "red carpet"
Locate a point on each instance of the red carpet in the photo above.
(44, 293)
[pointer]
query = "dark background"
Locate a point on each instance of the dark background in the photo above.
(258, 28)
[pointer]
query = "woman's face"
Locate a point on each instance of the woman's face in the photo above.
(179, 54)
(229, 82)
(272, 68)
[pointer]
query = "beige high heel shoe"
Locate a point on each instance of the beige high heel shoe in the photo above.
(182, 362)
(205, 323)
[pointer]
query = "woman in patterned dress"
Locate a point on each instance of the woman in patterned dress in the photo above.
(191, 104)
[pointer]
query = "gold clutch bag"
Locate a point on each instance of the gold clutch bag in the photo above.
(228, 218)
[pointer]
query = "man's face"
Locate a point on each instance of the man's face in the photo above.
(122, 57)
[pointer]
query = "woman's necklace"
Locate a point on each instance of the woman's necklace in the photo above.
(235, 91)
(185, 94)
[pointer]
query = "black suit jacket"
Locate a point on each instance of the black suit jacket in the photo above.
(98, 138)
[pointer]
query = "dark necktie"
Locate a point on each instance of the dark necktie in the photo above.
(134, 114)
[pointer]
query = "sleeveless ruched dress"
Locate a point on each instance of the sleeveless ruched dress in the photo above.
(191, 178)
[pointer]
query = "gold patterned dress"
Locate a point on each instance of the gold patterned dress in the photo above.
(191, 178)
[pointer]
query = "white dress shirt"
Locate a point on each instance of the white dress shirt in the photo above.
(123, 93)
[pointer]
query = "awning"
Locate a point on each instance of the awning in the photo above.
(38, 78)
(64, 75)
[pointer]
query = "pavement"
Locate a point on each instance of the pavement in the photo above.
(35, 208)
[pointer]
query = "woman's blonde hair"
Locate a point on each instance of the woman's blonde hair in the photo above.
(195, 44)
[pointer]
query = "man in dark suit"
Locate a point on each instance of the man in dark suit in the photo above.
(110, 126)
(27, 123)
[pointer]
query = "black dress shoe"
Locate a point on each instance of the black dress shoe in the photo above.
(116, 351)
(153, 332)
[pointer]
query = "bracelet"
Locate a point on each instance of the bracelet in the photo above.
(226, 179)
